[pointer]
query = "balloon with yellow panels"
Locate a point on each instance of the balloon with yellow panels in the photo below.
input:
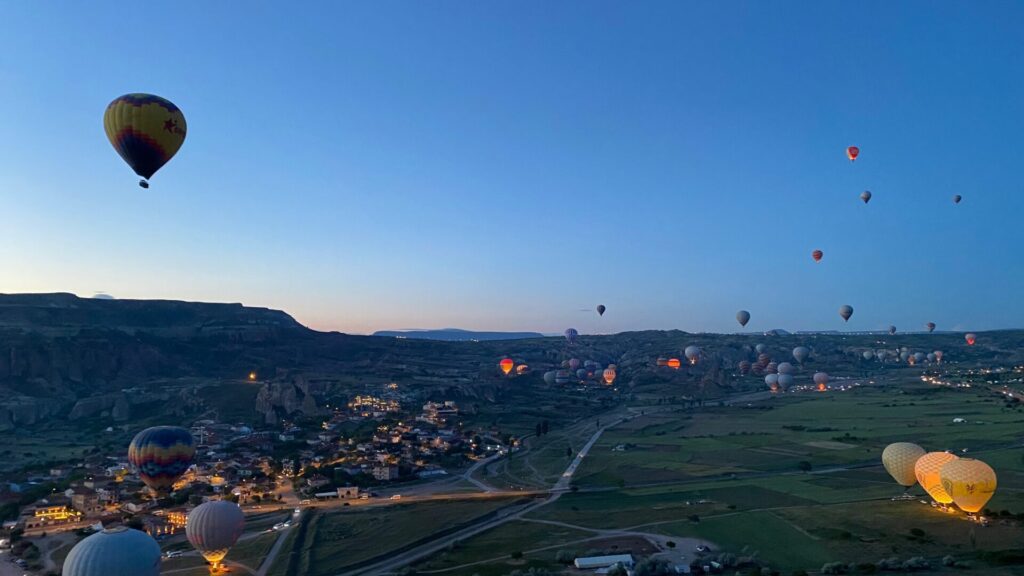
(969, 482)
(927, 470)
(899, 459)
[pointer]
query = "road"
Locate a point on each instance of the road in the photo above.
(408, 557)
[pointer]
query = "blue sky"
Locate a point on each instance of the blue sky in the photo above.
(502, 165)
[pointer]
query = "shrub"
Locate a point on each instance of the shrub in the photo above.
(565, 556)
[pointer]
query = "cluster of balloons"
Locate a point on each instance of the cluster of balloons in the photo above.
(160, 455)
(507, 365)
(579, 371)
(947, 478)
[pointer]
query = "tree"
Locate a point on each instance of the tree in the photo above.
(544, 426)
(804, 466)
(568, 452)
(565, 556)
(538, 429)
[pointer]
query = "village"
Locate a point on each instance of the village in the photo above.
(377, 439)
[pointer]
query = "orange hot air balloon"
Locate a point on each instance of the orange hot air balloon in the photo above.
(970, 338)
(852, 152)
(674, 363)
(506, 365)
(608, 375)
(927, 470)
(970, 483)
(817, 255)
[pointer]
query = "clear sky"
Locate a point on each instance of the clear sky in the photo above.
(503, 165)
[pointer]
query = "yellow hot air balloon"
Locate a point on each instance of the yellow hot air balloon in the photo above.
(969, 482)
(506, 365)
(927, 471)
(146, 130)
(899, 460)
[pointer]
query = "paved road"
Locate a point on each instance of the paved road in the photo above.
(402, 559)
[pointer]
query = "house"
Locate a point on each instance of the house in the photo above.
(596, 562)
(87, 502)
(348, 492)
(385, 473)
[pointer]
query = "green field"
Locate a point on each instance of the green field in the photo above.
(732, 475)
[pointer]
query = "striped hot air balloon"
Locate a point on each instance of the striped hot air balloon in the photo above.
(817, 255)
(571, 334)
(145, 130)
(161, 454)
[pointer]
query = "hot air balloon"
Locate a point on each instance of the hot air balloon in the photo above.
(800, 353)
(865, 196)
(506, 365)
(852, 152)
(600, 309)
(956, 199)
(744, 367)
(571, 334)
(743, 317)
(574, 363)
(867, 355)
(785, 381)
(845, 311)
(817, 254)
(785, 368)
(938, 356)
(674, 363)
(931, 356)
(608, 375)
(692, 354)
(661, 362)
(772, 368)
(549, 377)
(970, 483)
(821, 379)
(213, 527)
(899, 460)
(116, 551)
(892, 330)
(146, 131)
(971, 338)
(930, 326)
(918, 357)
(772, 380)
(927, 469)
(760, 348)
(160, 455)
(562, 377)
(582, 373)
(763, 360)
(522, 369)
(905, 356)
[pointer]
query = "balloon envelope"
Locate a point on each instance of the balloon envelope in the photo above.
(785, 368)
(800, 353)
(899, 460)
(674, 363)
(145, 130)
(785, 381)
(930, 326)
(692, 354)
(865, 196)
(970, 338)
(600, 309)
(956, 199)
(852, 152)
(571, 334)
(609, 375)
(506, 365)
(817, 254)
(743, 317)
(970, 483)
(927, 469)
(112, 552)
(161, 454)
(213, 527)
(845, 311)
(760, 348)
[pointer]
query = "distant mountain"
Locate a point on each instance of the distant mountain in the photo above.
(457, 335)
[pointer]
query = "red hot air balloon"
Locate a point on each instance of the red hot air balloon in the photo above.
(817, 255)
(971, 337)
(674, 363)
(852, 152)
(506, 365)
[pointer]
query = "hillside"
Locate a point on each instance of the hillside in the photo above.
(456, 335)
(114, 361)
